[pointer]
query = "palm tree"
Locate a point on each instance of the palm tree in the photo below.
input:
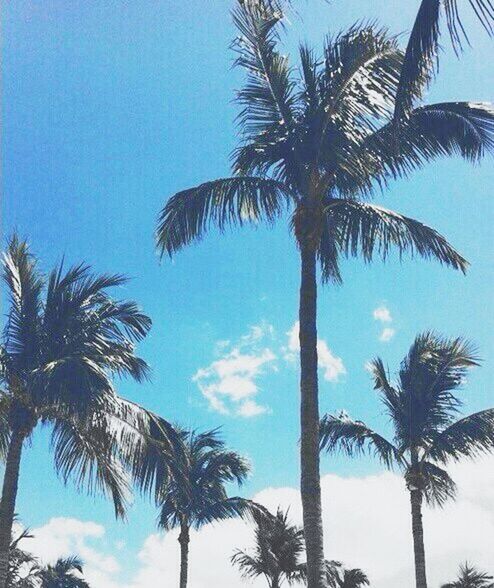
(279, 545)
(471, 578)
(23, 566)
(65, 573)
(192, 493)
(63, 340)
(423, 406)
(315, 144)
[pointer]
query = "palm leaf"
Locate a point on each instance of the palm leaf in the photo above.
(354, 438)
(362, 228)
(232, 201)
(439, 486)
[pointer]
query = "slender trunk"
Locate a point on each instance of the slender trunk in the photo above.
(7, 503)
(184, 539)
(275, 583)
(418, 538)
(310, 486)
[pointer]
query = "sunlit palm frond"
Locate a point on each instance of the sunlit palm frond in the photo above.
(420, 61)
(360, 228)
(354, 438)
(467, 437)
(25, 285)
(268, 96)
(232, 201)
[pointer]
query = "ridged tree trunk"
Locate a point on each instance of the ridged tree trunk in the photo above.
(418, 538)
(7, 503)
(310, 486)
(184, 539)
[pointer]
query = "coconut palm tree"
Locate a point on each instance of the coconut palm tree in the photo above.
(65, 573)
(423, 407)
(470, 577)
(279, 547)
(63, 340)
(193, 492)
(315, 144)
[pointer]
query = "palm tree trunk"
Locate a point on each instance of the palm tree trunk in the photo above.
(7, 503)
(418, 538)
(184, 539)
(310, 485)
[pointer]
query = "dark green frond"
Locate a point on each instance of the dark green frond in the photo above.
(362, 228)
(468, 437)
(232, 201)
(439, 487)
(354, 438)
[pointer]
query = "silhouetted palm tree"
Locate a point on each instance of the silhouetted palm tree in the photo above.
(279, 547)
(314, 145)
(471, 578)
(63, 340)
(65, 573)
(23, 566)
(192, 491)
(423, 406)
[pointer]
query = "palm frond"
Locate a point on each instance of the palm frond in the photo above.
(467, 437)
(470, 577)
(439, 486)
(354, 438)
(420, 62)
(231, 201)
(228, 508)
(268, 96)
(362, 228)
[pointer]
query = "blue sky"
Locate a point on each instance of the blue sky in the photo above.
(110, 107)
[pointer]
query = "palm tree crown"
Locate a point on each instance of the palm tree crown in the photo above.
(65, 573)
(279, 547)
(470, 577)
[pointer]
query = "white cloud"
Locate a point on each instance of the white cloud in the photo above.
(332, 366)
(230, 382)
(366, 524)
(387, 334)
(382, 314)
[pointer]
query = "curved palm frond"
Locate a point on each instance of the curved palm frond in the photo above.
(229, 508)
(468, 437)
(231, 201)
(420, 61)
(438, 484)
(354, 438)
(362, 228)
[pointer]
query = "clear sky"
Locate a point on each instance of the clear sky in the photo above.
(111, 106)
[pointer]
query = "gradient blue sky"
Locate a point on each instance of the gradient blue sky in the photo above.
(109, 107)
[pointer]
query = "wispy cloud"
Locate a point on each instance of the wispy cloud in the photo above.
(230, 383)
(332, 366)
(383, 315)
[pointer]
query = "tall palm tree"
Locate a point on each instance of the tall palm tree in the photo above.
(279, 546)
(470, 577)
(63, 340)
(65, 573)
(314, 144)
(423, 407)
(193, 492)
